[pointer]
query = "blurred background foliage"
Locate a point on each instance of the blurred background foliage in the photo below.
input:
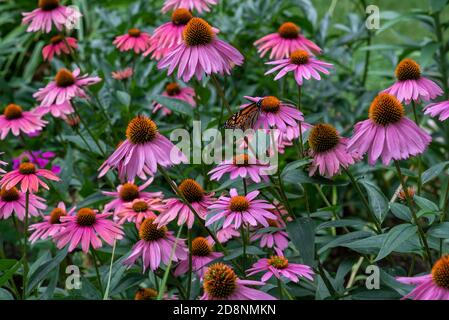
(364, 64)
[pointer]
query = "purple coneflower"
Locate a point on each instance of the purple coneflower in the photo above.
(169, 35)
(126, 193)
(276, 239)
(29, 178)
(387, 134)
(198, 5)
(202, 255)
(66, 86)
(175, 91)
(201, 52)
(279, 266)
(328, 151)
(58, 45)
(221, 283)
(440, 109)
(433, 286)
(139, 210)
(122, 75)
(411, 85)
(50, 12)
(14, 201)
(155, 246)
(303, 66)
(39, 158)
(275, 114)
(85, 228)
(237, 210)
(51, 225)
(242, 166)
(56, 110)
(176, 208)
(135, 40)
(287, 40)
(16, 120)
(143, 150)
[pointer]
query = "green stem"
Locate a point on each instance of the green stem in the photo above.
(198, 218)
(415, 115)
(242, 232)
(281, 295)
(94, 258)
(86, 126)
(167, 270)
(25, 246)
(326, 281)
(364, 200)
(334, 214)
(221, 93)
(245, 187)
(421, 233)
(72, 53)
(189, 276)
(367, 54)
(301, 141)
(442, 53)
(279, 183)
(108, 285)
(444, 212)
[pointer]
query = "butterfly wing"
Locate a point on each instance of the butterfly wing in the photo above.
(245, 118)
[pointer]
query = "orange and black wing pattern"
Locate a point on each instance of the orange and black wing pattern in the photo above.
(245, 118)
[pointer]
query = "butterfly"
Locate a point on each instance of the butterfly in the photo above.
(245, 118)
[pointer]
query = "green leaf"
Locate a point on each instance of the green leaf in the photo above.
(81, 144)
(6, 264)
(368, 245)
(124, 98)
(426, 204)
(394, 238)
(239, 251)
(428, 52)
(440, 230)
(377, 200)
(5, 295)
(45, 269)
(9, 273)
(345, 239)
(175, 105)
(295, 165)
(433, 172)
(302, 233)
(400, 211)
(34, 61)
(437, 5)
(341, 223)
(298, 176)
